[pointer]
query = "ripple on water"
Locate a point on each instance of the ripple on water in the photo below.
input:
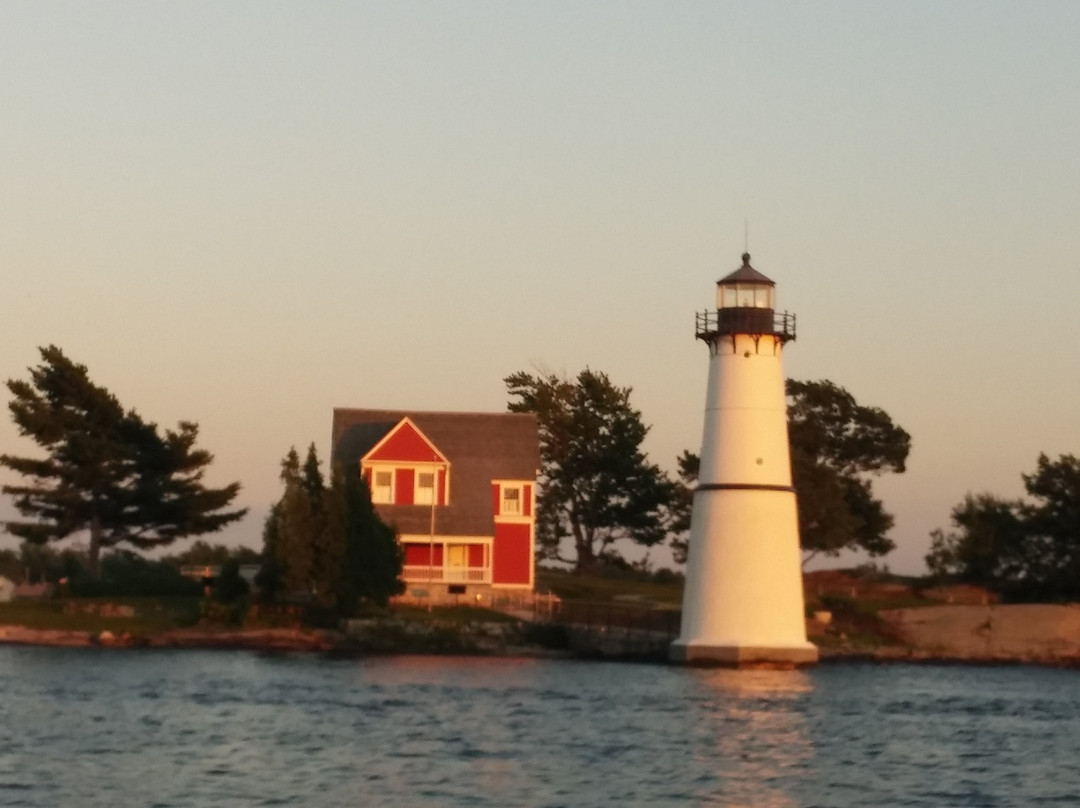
(180, 729)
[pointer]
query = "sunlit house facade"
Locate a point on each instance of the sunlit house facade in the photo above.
(460, 488)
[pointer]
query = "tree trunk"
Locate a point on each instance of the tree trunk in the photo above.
(586, 554)
(584, 559)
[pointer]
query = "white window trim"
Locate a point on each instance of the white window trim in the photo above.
(376, 470)
(417, 469)
(433, 490)
(517, 501)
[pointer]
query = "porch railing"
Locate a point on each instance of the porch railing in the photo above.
(422, 573)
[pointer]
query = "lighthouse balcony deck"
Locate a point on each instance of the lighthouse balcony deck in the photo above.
(757, 322)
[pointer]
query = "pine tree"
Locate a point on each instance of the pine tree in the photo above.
(373, 561)
(328, 544)
(106, 470)
(327, 534)
(597, 486)
(293, 526)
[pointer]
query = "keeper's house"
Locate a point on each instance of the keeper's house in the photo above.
(459, 487)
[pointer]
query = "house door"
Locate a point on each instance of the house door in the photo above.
(457, 562)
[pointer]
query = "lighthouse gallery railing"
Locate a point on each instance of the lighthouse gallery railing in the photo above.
(709, 323)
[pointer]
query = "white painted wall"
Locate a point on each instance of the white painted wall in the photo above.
(744, 579)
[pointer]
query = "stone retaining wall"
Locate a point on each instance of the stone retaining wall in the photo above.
(1013, 633)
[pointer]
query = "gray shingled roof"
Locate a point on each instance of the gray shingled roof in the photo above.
(481, 447)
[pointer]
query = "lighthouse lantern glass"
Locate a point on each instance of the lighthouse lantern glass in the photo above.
(744, 296)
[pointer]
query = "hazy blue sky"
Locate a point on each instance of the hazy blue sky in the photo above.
(246, 214)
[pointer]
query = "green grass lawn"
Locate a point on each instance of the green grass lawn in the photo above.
(82, 614)
(452, 614)
(594, 588)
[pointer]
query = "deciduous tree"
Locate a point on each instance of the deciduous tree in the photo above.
(986, 546)
(837, 447)
(1028, 549)
(105, 470)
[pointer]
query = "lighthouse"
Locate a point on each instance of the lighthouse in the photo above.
(743, 601)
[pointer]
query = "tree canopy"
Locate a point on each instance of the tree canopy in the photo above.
(325, 543)
(1027, 548)
(596, 486)
(204, 554)
(837, 447)
(105, 470)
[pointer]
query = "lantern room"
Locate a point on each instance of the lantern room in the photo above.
(745, 288)
(745, 304)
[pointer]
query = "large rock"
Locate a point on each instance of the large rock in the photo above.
(1024, 633)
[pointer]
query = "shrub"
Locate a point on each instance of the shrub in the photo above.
(230, 586)
(127, 574)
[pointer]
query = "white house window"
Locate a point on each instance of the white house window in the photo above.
(425, 488)
(511, 500)
(382, 487)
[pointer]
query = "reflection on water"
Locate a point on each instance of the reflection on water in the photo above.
(755, 682)
(89, 727)
(758, 730)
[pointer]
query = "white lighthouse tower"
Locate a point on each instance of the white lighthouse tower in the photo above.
(743, 602)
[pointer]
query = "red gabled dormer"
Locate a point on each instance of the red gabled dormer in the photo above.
(406, 468)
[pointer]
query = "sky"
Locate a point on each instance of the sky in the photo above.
(246, 214)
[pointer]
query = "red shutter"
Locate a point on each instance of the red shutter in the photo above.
(403, 486)
(526, 494)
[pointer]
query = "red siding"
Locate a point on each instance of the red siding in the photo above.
(527, 504)
(416, 555)
(405, 444)
(476, 555)
(511, 555)
(403, 486)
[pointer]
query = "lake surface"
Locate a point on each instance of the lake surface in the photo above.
(95, 727)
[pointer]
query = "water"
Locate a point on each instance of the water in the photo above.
(91, 727)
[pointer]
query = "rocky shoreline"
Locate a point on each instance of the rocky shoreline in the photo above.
(1045, 635)
(270, 639)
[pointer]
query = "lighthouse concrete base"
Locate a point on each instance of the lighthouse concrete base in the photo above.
(743, 656)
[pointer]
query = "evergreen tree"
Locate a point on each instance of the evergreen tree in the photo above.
(294, 524)
(105, 470)
(597, 487)
(328, 544)
(373, 560)
(327, 533)
(837, 447)
(270, 578)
